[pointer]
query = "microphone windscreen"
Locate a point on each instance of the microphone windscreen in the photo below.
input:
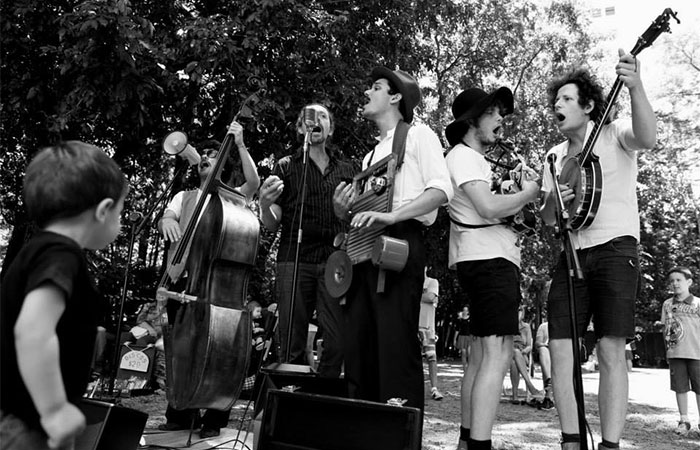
(310, 117)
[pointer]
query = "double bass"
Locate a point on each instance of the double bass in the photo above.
(583, 172)
(208, 345)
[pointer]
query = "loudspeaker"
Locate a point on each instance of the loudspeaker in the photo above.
(110, 427)
(294, 420)
(299, 379)
(176, 144)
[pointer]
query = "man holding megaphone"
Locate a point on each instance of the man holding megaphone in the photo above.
(175, 220)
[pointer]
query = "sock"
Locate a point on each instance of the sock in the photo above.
(547, 383)
(478, 445)
(685, 418)
(566, 437)
(607, 444)
(464, 434)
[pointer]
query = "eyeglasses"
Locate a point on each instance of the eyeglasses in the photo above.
(211, 154)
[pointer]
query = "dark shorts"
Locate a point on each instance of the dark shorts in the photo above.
(607, 293)
(493, 290)
(685, 375)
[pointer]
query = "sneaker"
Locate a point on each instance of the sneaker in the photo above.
(546, 403)
(435, 394)
(683, 428)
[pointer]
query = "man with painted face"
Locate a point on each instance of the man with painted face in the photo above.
(607, 249)
(280, 201)
(383, 352)
(485, 252)
(174, 221)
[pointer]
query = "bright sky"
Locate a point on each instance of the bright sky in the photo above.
(629, 21)
(632, 18)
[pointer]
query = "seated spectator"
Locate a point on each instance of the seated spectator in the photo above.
(147, 329)
(148, 332)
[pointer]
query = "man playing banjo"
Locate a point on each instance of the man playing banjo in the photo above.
(606, 248)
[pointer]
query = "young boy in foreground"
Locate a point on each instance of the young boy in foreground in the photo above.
(48, 302)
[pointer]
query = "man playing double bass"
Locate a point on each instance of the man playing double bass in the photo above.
(607, 249)
(172, 224)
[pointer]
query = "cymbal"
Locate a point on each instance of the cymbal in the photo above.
(338, 274)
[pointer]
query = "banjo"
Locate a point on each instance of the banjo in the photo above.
(583, 172)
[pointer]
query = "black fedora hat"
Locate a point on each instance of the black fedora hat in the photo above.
(470, 104)
(407, 86)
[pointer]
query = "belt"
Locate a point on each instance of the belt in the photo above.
(623, 240)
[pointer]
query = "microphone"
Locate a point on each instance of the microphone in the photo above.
(135, 216)
(310, 117)
(551, 158)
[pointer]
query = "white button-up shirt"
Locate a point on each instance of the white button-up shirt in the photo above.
(423, 167)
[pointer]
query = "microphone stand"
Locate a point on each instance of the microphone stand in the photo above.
(160, 199)
(118, 332)
(295, 275)
(134, 231)
(574, 271)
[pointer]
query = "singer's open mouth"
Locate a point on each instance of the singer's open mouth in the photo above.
(316, 129)
(560, 117)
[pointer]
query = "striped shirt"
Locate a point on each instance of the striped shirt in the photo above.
(320, 224)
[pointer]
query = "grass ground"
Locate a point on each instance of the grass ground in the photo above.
(652, 414)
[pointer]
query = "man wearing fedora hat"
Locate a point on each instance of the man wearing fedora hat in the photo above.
(383, 353)
(485, 253)
(606, 248)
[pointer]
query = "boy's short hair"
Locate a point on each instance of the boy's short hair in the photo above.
(683, 270)
(69, 178)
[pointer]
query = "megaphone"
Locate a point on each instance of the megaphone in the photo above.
(176, 144)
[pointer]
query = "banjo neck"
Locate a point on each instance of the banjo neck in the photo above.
(586, 155)
(658, 26)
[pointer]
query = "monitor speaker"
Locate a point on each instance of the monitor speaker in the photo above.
(295, 420)
(110, 427)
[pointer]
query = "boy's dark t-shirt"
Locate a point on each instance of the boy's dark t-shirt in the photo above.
(48, 258)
